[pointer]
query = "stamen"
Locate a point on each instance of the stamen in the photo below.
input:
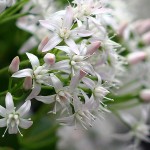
(19, 131)
(5, 132)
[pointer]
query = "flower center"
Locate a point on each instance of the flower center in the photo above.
(64, 33)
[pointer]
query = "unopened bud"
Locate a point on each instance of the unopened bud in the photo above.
(14, 66)
(136, 57)
(27, 85)
(43, 43)
(93, 47)
(100, 91)
(146, 38)
(142, 26)
(82, 74)
(145, 95)
(49, 59)
(122, 28)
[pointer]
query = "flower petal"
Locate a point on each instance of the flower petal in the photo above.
(89, 83)
(9, 102)
(24, 108)
(2, 111)
(12, 130)
(25, 124)
(56, 83)
(23, 73)
(62, 66)
(72, 46)
(68, 19)
(34, 60)
(46, 99)
(3, 122)
(36, 90)
(64, 48)
(49, 25)
(81, 33)
(54, 41)
(93, 47)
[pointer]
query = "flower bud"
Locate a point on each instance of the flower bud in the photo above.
(146, 38)
(49, 59)
(145, 95)
(14, 66)
(43, 43)
(122, 28)
(27, 85)
(100, 91)
(136, 57)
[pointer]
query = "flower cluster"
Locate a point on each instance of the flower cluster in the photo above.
(79, 65)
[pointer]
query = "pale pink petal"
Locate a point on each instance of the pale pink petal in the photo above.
(68, 19)
(54, 41)
(34, 60)
(23, 73)
(9, 102)
(24, 109)
(93, 47)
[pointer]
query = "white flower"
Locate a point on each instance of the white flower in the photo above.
(87, 8)
(80, 54)
(63, 95)
(98, 91)
(136, 120)
(82, 113)
(14, 119)
(62, 30)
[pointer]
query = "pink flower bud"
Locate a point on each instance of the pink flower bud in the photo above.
(122, 28)
(136, 57)
(82, 74)
(145, 95)
(14, 66)
(27, 85)
(43, 43)
(146, 38)
(93, 47)
(49, 59)
(142, 26)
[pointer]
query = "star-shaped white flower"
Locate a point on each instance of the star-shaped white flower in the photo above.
(13, 119)
(62, 30)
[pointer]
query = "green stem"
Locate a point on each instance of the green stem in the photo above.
(9, 85)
